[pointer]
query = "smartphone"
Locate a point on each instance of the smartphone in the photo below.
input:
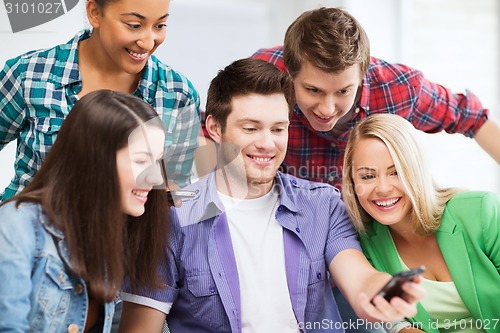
(393, 287)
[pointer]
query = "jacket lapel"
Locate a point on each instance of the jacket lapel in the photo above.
(452, 244)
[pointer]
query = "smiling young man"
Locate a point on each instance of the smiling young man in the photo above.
(254, 249)
(337, 84)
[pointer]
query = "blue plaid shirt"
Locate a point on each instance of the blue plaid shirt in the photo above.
(201, 272)
(39, 88)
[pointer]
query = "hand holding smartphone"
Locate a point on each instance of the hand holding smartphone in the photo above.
(393, 287)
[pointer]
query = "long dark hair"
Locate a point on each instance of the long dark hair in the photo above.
(79, 190)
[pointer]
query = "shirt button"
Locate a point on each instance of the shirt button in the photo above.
(318, 275)
(298, 230)
(331, 178)
(79, 288)
(212, 289)
(333, 145)
(73, 328)
(294, 182)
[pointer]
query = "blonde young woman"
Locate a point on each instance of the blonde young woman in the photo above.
(405, 220)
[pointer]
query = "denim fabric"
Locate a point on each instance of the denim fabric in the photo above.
(38, 293)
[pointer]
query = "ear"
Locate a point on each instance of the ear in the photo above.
(213, 128)
(94, 13)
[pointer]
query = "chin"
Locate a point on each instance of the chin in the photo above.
(135, 212)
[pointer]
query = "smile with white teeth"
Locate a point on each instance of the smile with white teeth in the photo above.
(142, 194)
(324, 117)
(138, 55)
(386, 203)
(261, 159)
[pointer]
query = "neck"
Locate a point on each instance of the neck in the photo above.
(237, 186)
(404, 234)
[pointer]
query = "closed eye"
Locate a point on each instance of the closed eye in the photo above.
(313, 90)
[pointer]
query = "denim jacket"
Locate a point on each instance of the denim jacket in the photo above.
(38, 293)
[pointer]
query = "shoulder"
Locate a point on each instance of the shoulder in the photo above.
(12, 210)
(273, 55)
(266, 53)
(474, 200)
(307, 190)
(382, 71)
(480, 206)
(42, 60)
(171, 79)
(19, 222)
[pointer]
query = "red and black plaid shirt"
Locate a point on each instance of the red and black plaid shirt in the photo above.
(387, 88)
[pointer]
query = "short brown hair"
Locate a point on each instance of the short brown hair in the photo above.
(244, 77)
(329, 38)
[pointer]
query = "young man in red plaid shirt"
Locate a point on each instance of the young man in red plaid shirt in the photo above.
(337, 84)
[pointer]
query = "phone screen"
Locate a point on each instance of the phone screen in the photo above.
(393, 287)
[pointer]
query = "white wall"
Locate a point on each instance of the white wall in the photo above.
(205, 36)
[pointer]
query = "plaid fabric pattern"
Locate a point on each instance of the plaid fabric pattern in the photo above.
(39, 88)
(386, 88)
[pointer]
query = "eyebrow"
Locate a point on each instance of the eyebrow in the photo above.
(142, 17)
(365, 169)
(373, 169)
(245, 120)
(146, 153)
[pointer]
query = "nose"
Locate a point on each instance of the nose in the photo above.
(151, 176)
(384, 185)
(326, 106)
(147, 41)
(265, 141)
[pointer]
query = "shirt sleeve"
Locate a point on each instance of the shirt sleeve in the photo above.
(12, 104)
(182, 138)
(430, 107)
(490, 211)
(161, 299)
(342, 234)
(451, 112)
(17, 248)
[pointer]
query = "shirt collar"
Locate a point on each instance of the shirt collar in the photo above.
(364, 100)
(70, 72)
(206, 203)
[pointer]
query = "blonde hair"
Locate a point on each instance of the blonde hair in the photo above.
(428, 201)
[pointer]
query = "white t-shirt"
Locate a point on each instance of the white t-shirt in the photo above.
(257, 240)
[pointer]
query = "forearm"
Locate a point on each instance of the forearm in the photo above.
(488, 138)
(356, 279)
(137, 318)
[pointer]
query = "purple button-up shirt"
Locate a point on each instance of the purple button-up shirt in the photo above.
(201, 271)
